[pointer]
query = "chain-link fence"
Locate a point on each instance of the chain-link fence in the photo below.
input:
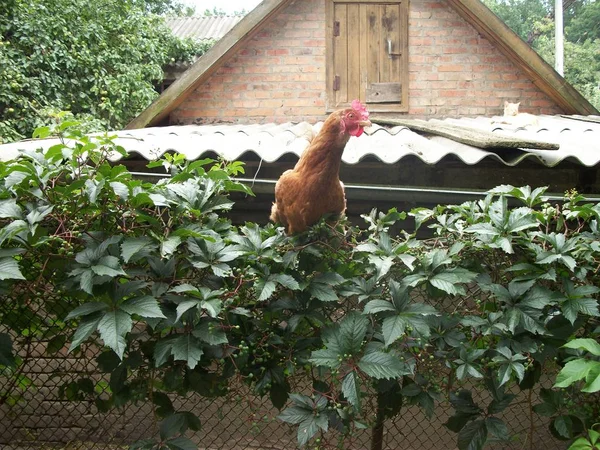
(34, 412)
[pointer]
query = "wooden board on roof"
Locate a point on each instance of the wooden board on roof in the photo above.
(467, 135)
(592, 119)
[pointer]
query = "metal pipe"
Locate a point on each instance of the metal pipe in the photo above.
(379, 192)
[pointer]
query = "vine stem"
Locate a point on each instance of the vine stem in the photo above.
(531, 425)
(378, 428)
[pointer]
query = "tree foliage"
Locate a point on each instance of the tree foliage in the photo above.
(533, 21)
(97, 59)
(372, 320)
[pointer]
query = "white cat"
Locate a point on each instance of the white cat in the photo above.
(512, 116)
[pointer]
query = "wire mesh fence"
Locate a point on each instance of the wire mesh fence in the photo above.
(38, 409)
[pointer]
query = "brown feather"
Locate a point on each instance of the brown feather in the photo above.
(313, 189)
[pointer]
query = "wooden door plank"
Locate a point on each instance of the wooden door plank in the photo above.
(373, 35)
(391, 25)
(388, 92)
(403, 60)
(384, 61)
(354, 53)
(341, 53)
(363, 51)
(329, 62)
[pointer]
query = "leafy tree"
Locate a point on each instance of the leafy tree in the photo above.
(584, 26)
(533, 21)
(221, 12)
(524, 17)
(98, 59)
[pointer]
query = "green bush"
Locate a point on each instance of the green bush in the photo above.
(99, 59)
(182, 300)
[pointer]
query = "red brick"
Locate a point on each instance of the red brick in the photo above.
(450, 68)
(278, 52)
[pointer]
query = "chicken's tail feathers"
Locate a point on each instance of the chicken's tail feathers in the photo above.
(274, 214)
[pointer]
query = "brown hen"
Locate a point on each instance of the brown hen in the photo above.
(312, 188)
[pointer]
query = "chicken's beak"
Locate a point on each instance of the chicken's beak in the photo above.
(365, 123)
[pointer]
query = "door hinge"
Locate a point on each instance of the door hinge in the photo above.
(336, 28)
(336, 83)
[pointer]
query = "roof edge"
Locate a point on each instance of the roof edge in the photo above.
(175, 94)
(521, 54)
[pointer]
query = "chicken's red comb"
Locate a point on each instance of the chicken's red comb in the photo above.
(361, 109)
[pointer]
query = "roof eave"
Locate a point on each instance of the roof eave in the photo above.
(202, 69)
(523, 56)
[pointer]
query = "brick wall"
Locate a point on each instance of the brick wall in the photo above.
(280, 74)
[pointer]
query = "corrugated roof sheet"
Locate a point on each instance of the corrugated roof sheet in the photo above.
(579, 141)
(202, 28)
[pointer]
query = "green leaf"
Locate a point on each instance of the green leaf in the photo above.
(483, 228)
(582, 443)
(592, 381)
(187, 348)
(310, 427)
(107, 271)
(131, 246)
(181, 443)
(93, 188)
(375, 306)
(463, 403)
(279, 394)
(145, 306)
(323, 292)
(38, 214)
(393, 328)
(353, 329)
(473, 436)
(295, 415)
(86, 309)
(326, 357)
(497, 428)
(9, 269)
(10, 210)
(13, 229)
(264, 289)
(564, 426)
(445, 282)
(120, 189)
(591, 345)
(113, 327)
(286, 281)
(351, 389)
(382, 265)
(163, 350)
(576, 370)
(572, 307)
(185, 306)
(168, 246)
(211, 333)
(172, 425)
(382, 365)
(87, 326)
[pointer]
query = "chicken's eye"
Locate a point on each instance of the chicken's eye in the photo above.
(351, 116)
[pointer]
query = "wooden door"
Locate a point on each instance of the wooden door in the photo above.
(367, 55)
